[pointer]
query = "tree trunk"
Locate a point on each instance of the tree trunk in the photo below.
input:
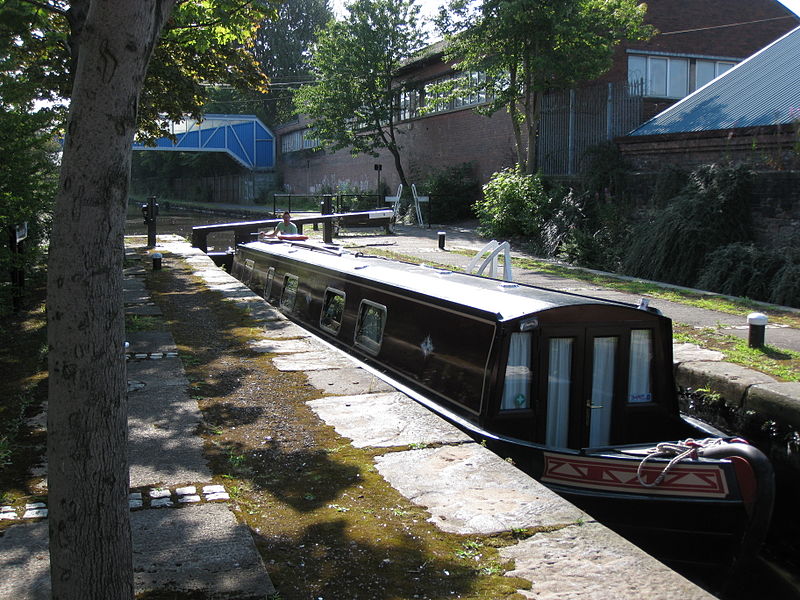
(513, 112)
(90, 542)
(398, 165)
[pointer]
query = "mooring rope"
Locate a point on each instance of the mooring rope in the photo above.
(686, 449)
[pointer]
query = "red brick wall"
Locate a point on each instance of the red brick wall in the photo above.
(770, 151)
(445, 139)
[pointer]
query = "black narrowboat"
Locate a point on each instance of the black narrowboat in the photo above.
(578, 390)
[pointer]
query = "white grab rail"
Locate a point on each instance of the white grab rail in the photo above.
(494, 248)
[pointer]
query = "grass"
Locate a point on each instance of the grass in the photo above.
(782, 364)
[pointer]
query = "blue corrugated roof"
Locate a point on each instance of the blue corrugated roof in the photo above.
(243, 137)
(762, 90)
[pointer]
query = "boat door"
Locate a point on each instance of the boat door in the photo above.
(583, 376)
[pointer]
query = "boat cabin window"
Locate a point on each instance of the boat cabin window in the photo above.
(559, 388)
(369, 330)
(332, 310)
(289, 292)
(517, 384)
(601, 401)
(268, 284)
(639, 369)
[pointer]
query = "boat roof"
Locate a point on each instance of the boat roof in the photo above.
(502, 300)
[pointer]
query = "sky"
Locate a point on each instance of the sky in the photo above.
(792, 5)
(430, 7)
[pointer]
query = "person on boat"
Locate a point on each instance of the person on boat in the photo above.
(284, 228)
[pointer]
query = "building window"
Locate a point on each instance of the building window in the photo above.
(463, 84)
(711, 69)
(297, 140)
(663, 77)
(673, 77)
(409, 104)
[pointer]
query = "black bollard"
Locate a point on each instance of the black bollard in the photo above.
(156, 261)
(150, 212)
(327, 225)
(758, 325)
(442, 235)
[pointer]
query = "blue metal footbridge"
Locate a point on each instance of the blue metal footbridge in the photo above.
(243, 137)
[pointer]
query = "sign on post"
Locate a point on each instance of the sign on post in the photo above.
(22, 231)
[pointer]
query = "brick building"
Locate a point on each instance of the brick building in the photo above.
(697, 41)
(750, 115)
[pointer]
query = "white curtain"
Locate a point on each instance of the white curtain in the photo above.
(604, 353)
(639, 368)
(558, 391)
(517, 386)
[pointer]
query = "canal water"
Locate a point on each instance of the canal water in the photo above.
(180, 222)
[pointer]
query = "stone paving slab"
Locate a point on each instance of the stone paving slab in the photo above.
(150, 310)
(275, 325)
(385, 420)
(290, 346)
(779, 401)
(197, 548)
(728, 379)
(589, 562)
(693, 353)
(470, 490)
(347, 381)
(150, 341)
(134, 296)
(163, 445)
(194, 548)
(311, 361)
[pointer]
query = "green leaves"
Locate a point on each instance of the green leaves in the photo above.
(353, 101)
(204, 42)
(527, 47)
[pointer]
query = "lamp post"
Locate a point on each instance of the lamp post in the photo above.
(378, 168)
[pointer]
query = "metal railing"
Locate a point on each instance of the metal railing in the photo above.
(247, 231)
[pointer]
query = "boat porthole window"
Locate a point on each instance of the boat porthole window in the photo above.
(332, 311)
(249, 263)
(369, 329)
(236, 270)
(268, 284)
(639, 367)
(289, 292)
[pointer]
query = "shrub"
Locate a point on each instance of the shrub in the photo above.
(513, 204)
(599, 235)
(740, 270)
(453, 192)
(712, 211)
(770, 275)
